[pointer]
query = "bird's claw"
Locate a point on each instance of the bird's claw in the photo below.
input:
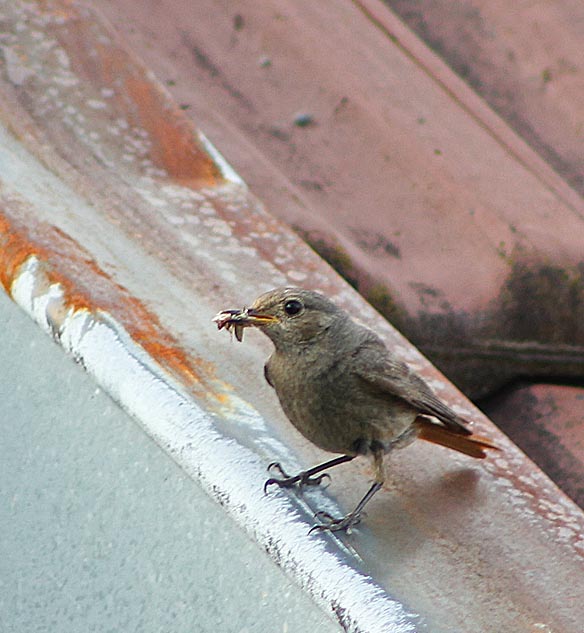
(278, 467)
(272, 480)
(330, 524)
(287, 481)
(307, 480)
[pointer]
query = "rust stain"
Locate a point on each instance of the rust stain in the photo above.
(86, 286)
(65, 10)
(103, 62)
(14, 251)
(174, 145)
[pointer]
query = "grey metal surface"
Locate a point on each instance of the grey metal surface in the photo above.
(101, 530)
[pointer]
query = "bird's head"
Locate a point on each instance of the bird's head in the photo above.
(288, 316)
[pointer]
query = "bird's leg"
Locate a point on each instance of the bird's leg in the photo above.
(348, 521)
(353, 518)
(306, 477)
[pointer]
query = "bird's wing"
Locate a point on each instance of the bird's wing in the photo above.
(386, 374)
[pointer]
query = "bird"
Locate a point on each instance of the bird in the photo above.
(344, 391)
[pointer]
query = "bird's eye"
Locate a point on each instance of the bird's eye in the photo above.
(292, 307)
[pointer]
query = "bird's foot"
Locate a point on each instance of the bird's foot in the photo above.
(330, 524)
(287, 481)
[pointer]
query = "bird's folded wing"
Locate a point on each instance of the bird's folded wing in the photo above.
(386, 374)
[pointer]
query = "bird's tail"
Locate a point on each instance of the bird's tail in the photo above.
(471, 445)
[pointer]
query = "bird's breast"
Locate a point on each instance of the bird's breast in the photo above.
(329, 405)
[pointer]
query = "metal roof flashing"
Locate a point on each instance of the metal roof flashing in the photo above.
(231, 473)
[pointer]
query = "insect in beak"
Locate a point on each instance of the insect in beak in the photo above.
(237, 320)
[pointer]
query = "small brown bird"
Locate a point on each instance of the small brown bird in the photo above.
(344, 390)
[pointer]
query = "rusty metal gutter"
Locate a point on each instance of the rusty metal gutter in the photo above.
(122, 232)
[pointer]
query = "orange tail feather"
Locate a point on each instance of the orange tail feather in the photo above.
(472, 445)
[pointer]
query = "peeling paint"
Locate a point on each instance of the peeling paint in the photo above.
(54, 253)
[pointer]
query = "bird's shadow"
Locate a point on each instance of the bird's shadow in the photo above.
(434, 509)
(454, 492)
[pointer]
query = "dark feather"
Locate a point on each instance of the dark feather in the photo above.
(381, 372)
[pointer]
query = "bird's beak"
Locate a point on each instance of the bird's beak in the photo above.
(239, 319)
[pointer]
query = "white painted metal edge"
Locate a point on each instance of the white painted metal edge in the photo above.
(226, 170)
(229, 472)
